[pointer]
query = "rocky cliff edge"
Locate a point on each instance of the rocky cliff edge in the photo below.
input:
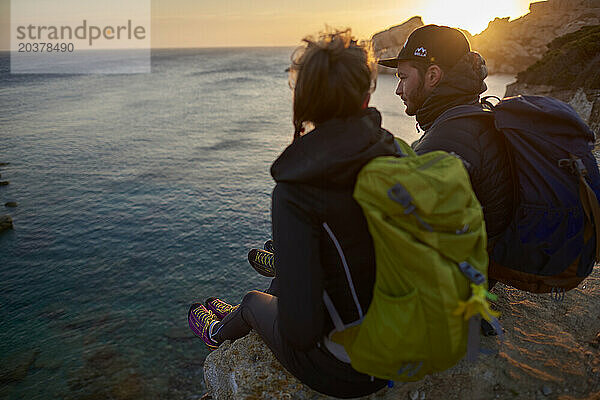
(551, 350)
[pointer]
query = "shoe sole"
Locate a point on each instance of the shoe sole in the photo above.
(263, 262)
(194, 329)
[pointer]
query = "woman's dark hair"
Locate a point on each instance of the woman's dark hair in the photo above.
(331, 77)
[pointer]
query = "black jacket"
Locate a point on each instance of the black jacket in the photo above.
(315, 179)
(474, 139)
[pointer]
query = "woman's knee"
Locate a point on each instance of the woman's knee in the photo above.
(258, 303)
(251, 297)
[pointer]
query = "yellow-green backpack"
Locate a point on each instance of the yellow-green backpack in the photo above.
(431, 266)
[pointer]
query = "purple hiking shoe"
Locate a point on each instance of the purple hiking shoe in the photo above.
(219, 307)
(200, 319)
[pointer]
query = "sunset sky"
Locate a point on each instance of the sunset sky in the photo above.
(201, 23)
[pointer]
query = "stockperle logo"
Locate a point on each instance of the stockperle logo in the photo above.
(74, 36)
(421, 52)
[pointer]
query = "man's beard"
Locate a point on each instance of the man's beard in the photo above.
(416, 100)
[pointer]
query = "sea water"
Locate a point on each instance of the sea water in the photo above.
(138, 195)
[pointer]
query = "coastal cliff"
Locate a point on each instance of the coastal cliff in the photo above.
(388, 43)
(507, 46)
(511, 46)
(568, 71)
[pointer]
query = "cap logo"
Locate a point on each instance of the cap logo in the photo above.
(421, 52)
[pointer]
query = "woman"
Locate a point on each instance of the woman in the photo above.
(320, 234)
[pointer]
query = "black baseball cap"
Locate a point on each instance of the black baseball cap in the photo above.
(435, 44)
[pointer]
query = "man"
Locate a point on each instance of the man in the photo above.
(437, 72)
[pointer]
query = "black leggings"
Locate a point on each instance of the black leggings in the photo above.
(317, 367)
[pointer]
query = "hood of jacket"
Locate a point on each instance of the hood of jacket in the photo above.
(333, 153)
(462, 84)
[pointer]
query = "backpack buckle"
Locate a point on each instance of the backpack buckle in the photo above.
(487, 104)
(400, 195)
(471, 273)
(565, 163)
(580, 166)
(575, 164)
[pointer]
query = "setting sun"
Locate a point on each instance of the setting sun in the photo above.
(472, 15)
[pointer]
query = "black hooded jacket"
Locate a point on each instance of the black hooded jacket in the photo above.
(474, 139)
(313, 212)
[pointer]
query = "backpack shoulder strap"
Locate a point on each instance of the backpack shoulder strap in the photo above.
(589, 201)
(462, 111)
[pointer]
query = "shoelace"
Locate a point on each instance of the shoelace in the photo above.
(223, 307)
(265, 259)
(204, 316)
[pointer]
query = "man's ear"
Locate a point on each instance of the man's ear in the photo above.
(433, 76)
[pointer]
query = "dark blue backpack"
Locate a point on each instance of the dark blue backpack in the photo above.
(553, 239)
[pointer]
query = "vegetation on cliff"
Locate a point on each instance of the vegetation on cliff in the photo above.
(572, 61)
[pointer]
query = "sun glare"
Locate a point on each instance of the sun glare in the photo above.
(472, 15)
